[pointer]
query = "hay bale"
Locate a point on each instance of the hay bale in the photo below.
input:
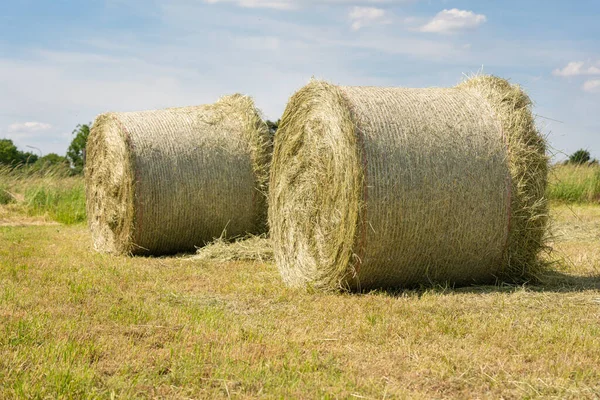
(387, 187)
(160, 182)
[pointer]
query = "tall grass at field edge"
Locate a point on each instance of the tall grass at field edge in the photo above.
(51, 191)
(575, 184)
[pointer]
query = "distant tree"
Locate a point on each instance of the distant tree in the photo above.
(10, 155)
(28, 158)
(51, 159)
(8, 151)
(580, 157)
(76, 151)
(273, 126)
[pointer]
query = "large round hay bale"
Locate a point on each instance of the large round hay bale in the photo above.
(387, 187)
(165, 181)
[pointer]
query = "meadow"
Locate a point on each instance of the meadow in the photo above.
(75, 324)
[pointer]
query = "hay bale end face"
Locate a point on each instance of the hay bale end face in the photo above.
(388, 187)
(160, 182)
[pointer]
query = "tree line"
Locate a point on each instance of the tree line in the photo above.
(10, 155)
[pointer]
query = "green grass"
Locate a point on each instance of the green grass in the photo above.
(62, 204)
(49, 192)
(575, 184)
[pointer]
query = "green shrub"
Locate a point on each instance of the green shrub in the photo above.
(5, 196)
(580, 157)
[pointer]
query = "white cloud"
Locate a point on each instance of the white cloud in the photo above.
(454, 20)
(366, 16)
(28, 127)
(577, 68)
(592, 86)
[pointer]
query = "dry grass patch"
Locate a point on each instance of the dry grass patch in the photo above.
(15, 215)
(250, 248)
(576, 238)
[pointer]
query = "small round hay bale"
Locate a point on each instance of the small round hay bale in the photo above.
(160, 182)
(388, 187)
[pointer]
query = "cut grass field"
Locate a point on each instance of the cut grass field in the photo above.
(75, 324)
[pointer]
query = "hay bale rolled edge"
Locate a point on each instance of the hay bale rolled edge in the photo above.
(528, 164)
(109, 186)
(147, 173)
(299, 173)
(260, 143)
(300, 249)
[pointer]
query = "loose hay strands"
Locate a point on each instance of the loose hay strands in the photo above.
(251, 248)
(165, 181)
(386, 187)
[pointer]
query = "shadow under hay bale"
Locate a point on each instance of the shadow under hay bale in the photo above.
(166, 181)
(388, 187)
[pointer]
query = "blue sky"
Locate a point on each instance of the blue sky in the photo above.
(64, 62)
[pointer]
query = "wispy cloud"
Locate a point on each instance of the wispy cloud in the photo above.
(297, 4)
(578, 68)
(367, 16)
(453, 21)
(274, 4)
(592, 86)
(28, 127)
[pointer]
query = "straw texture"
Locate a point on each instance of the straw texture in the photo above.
(165, 181)
(251, 248)
(387, 187)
